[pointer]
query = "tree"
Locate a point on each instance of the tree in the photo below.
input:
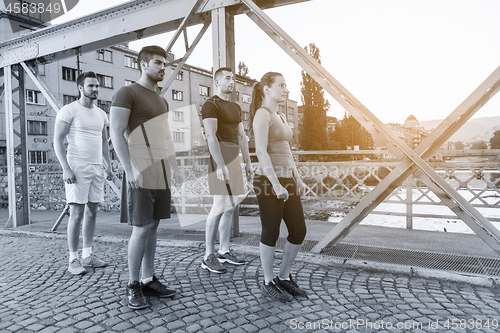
(314, 136)
(243, 69)
(459, 145)
(495, 140)
(349, 132)
(479, 145)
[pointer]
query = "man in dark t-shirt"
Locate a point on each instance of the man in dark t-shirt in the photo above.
(140, 112)
(225, 136)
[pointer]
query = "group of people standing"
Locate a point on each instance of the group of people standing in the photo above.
(143, 142)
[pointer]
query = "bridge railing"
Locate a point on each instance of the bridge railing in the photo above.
(330, 187)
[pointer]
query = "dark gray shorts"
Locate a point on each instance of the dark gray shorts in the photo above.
(152, 202)
(146, 205)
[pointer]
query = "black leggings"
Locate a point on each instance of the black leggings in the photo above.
(273, 210)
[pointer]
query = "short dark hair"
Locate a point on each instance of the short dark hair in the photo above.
(80, 81)
(147, 53)
(220, 70)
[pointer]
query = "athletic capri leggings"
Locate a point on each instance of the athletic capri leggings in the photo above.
(273, 210)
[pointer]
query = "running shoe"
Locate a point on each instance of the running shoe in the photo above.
(291, 287)
(274, 290)
(156, 288)
(135, 297)
(213, 265)
(230, 258)
(93, 261)
(75, 267)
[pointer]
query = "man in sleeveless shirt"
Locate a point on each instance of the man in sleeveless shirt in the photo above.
(225, 137)
(138, 111)
(85, 165)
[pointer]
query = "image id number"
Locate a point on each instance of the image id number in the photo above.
(32, 8)
(471, 324)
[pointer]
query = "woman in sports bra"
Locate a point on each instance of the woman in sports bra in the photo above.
(277, 185)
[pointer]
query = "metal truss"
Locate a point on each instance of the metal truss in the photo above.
(16, 128)
(119, 24)
(126, 23)
(189, 49)
(410, 159)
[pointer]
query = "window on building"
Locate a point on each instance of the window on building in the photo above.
(178, 116)
(104, 55)
(204, 91)
(105, 81)
(37, 157)
(178, 136)
(128, 82)
(37, 127)
(69, 99)
(237, 96)
(104, 105)
(179, 76)
(69, 74)
(281, 108)
(245, 98)
(291, 124)
(34, 97)
(177, 95)
(131, 62)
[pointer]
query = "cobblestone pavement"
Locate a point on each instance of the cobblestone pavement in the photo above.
(37, 294)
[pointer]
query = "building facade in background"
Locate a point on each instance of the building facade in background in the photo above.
(117, 66)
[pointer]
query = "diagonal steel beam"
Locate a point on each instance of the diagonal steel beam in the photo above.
(183, 60)
(388, 138)
(190, 11)
(120, 24)
(426, 148)
(40, 83)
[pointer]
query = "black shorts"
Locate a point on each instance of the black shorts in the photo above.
(231, 155)
(146, 205)
(152, 202)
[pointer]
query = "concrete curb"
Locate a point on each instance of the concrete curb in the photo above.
(410, 271)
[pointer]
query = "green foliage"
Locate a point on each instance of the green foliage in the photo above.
(314, 136)
(479, 145)
(459, 145)
(495, 140)
(349, 132)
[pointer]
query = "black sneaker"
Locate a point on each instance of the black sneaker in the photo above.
(213, 265)
(135, 297)
(274, 290)
(291, 287)
(156, 288)
(230, 258)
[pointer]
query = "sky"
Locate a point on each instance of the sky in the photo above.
(397, 57)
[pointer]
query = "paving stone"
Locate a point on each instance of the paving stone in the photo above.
(230, 302)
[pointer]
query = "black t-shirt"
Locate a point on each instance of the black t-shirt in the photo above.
(228, 115)
(144, 104)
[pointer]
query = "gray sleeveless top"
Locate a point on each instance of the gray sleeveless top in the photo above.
(278, 147)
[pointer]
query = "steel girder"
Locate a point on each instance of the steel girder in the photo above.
(119, 24)
(411, 159)
(192, 7)
(16, 127)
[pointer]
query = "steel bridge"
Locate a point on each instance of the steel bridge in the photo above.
(144, 18)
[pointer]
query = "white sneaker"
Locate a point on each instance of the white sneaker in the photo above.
(76, 268)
